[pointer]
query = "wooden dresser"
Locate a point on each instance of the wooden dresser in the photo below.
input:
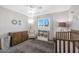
(18, 37)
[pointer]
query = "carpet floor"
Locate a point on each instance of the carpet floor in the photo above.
(31, 46)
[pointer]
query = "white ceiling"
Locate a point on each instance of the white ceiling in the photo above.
(23, 9)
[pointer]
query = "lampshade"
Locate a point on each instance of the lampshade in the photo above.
(30, 21)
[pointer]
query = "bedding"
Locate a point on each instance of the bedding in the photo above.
(32, 46)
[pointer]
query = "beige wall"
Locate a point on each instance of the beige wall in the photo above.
(68, 16)
(54, 18)
(6, 16)
(50, 17)
(58, 17)
(74, 17)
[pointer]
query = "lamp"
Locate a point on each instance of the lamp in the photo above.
(30, 22)
(31, 33)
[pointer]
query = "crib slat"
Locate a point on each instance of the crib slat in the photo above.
(56, 46)
(68, 46)
(59, 46)
(64, 46)
(73, 47)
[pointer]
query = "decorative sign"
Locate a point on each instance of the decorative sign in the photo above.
(14, 22)
(19, 22)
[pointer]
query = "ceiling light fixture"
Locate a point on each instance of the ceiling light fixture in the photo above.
(34, 6)
(31, 12)
(33, 9)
